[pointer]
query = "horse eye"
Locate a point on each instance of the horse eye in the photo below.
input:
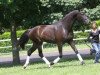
(82, 13)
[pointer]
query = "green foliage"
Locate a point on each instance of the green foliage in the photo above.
(98, 22)
(93, 14)
(6, 35)
(90, 3)
(29, 13)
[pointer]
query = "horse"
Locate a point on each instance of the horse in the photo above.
(57, 33)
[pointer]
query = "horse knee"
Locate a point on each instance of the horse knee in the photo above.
(76, 52)
(60, 56)
(98, 52)
(29, 53)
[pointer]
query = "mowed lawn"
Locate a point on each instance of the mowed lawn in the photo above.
(64, 67)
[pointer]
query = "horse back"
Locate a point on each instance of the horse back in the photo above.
(42, 33)
(49, 33)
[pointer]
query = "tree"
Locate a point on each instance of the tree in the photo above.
(13, 18)
(10, 20)
(90, 3)
(14, 13)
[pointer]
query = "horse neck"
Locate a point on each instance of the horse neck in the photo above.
(69, 19)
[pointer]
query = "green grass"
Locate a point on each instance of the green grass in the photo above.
(64, 67)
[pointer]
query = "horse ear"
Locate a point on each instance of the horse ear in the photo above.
(77, 10)
(81, 10)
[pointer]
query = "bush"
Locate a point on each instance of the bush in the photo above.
(6, 35)
(98, 22)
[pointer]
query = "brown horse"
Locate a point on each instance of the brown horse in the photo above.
(58, 33)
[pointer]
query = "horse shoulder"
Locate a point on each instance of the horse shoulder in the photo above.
(60, 32)
(70, 35)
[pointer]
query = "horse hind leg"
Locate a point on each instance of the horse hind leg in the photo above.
(29, 52)
(42, 56)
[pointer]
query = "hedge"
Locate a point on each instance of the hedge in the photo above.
(6, 35)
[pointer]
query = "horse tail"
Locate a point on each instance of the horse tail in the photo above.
(23, 39)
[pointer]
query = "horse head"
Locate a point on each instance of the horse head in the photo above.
(82, 16)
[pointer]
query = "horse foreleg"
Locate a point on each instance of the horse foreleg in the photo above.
(42, 56)
(72, 44)
(60, 55)
(30, 51)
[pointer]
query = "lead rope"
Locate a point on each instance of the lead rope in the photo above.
(99, 34)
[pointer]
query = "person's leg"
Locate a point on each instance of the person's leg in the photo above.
(95, 46)
(99, 49)
(92, 50)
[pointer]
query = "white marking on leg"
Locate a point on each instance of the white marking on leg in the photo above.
(46, 61)
(56, 60)
(79, 57)
(27, 61)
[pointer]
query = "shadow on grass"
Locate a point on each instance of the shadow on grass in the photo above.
(69, 60)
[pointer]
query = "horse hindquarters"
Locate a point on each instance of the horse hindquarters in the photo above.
(23, 39)
(29, 52)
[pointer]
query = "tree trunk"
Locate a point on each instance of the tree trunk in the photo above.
(15, 49)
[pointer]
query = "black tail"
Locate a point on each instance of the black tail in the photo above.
(23, 39)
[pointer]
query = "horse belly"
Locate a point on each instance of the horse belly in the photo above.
(69, 37)
(48, 36)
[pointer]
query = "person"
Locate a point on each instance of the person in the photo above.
(94, 39)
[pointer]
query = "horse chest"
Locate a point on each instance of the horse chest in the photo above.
(67, 37)
(70, 36)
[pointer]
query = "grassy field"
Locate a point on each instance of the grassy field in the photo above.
(64, 67)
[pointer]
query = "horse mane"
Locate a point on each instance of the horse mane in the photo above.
(67, 15)
(72, 12)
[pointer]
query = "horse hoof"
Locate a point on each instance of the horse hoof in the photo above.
(49, 66)
(91, 53)
(24, 67)
(51, 63)
(82, 63)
